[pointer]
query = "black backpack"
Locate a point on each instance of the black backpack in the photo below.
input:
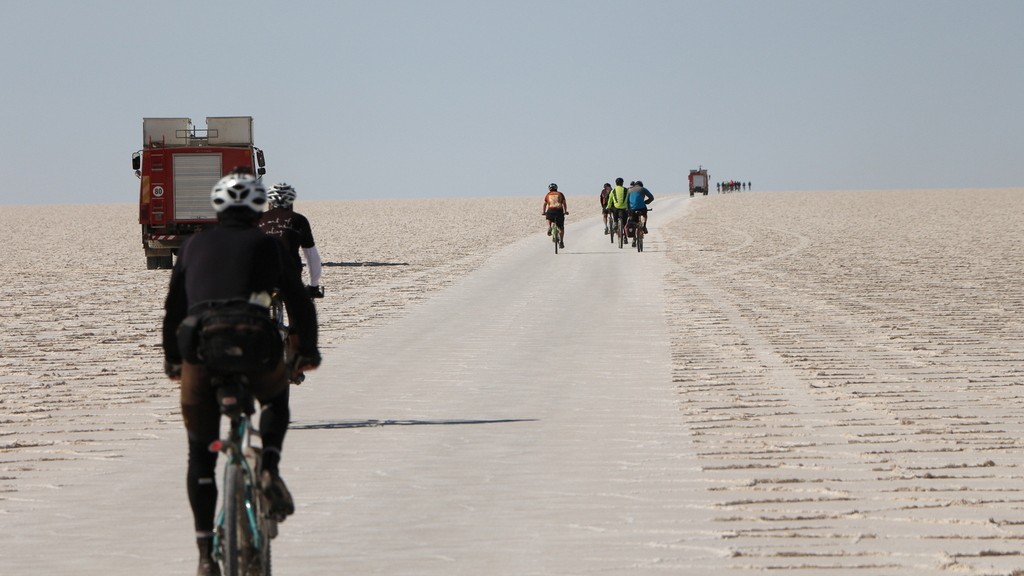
(232, 338)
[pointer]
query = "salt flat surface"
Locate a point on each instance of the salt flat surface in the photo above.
(800, 382)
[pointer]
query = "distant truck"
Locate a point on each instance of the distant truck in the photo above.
(177, 168)
(699, 181)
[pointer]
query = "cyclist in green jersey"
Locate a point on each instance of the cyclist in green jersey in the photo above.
(617, 202)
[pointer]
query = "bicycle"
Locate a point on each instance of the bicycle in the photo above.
(244, 527)
(638, 230)
(277, 305)
(556, 236)
(555, 231)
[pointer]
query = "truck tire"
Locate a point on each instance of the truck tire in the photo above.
(159, 262)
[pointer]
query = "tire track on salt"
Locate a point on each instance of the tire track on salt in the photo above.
(842, 437)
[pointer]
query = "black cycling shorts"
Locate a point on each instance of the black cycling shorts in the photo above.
(556, 216)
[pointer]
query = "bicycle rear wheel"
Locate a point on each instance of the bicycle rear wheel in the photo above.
(556, 236)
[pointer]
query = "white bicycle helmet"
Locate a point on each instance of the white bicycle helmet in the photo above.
(281, 195)
(238, 190)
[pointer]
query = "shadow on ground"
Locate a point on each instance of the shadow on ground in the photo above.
(332, 425)
(365, 264)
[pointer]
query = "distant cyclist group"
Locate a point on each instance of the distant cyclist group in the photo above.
(619, 205)
(732, 186)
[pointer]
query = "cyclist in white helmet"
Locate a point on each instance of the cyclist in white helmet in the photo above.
(293, 229)
(228, 262)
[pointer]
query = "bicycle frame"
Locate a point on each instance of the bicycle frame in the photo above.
(633, 219)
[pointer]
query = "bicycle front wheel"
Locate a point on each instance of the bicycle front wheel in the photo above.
(261, 529)
(246, 543)
(235, 522)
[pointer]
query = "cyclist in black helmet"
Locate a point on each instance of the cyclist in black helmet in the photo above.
(605, 211)
(617, 203)
(637, 200)
(555, 209)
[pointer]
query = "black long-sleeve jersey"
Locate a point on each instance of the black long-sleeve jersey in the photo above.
(230, 261)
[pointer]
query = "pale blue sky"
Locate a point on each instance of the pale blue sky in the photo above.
(440, 98)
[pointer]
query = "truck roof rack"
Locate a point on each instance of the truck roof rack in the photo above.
(179, 132)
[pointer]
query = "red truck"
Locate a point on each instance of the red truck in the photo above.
(699, 181)
(177, 168)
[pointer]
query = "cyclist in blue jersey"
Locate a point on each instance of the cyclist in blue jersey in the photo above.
(637, 200)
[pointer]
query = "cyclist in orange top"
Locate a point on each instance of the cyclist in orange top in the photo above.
(555, 209)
